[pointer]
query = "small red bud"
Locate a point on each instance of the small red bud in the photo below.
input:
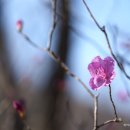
(19, 106)
(19, 25)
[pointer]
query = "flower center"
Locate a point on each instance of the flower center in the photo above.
(100, 72)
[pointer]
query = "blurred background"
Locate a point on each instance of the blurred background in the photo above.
(53, 100)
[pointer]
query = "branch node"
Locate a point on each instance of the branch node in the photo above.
(103, 28)
(118, 120)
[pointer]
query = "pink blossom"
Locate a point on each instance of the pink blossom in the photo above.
(19, 25)
(102, 72)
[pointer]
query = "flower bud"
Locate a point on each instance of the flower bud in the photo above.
(19, 25)
(19, 106)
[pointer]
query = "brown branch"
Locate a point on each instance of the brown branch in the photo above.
(53, 2)
(103, 29)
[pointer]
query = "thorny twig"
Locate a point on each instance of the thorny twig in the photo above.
(103, 29)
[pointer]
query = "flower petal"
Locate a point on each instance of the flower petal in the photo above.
(94, 65)
(102, 72)
(97, 59)
(109, 68)
(92, 85)
(99, 81)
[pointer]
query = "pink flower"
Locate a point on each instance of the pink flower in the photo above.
(19, 25)
(102, 72)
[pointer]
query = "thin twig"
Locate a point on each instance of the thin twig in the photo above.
(29, 40)
(95, 112)
(92, 16)
(103, 29)
(53, 2)
(59, 61)
(109, 121)
(114, 107)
